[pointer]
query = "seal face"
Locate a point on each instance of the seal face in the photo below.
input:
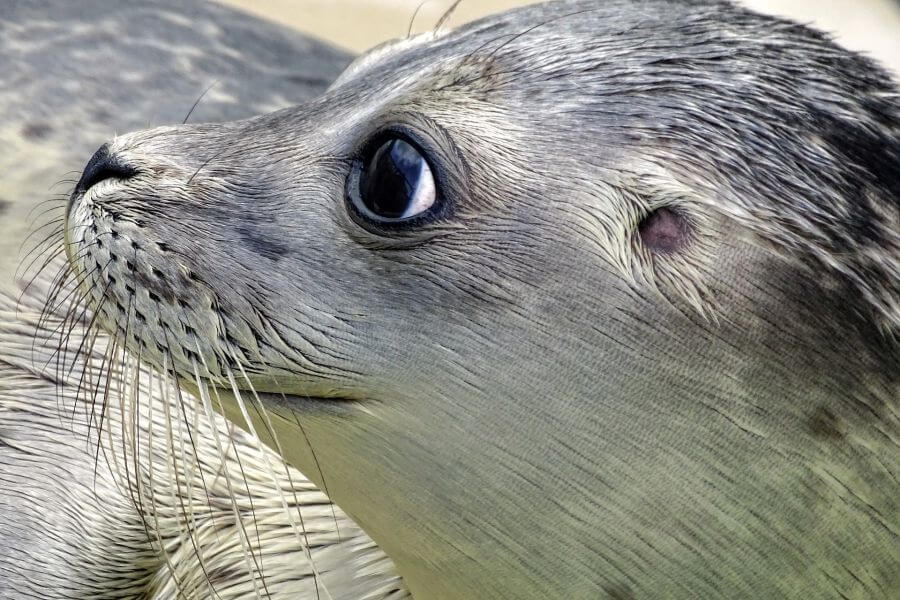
(638, 341)
(87, 510)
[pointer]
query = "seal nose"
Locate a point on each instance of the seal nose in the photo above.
(103, 165)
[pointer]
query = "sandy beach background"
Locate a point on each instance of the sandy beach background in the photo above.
(872, 26)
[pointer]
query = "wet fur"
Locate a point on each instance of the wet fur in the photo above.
(119, 493)
(531, 402)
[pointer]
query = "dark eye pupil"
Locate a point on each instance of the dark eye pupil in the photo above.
(391, 178)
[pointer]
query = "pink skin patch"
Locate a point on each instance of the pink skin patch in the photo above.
(664, 230)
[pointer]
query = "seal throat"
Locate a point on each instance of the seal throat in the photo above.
(112, 385)
(107, 367)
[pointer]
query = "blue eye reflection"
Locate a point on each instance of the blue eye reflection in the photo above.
(397, 182)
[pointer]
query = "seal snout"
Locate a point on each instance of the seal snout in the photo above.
(103, 165)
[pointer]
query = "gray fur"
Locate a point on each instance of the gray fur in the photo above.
(76, 519)
(527, 401)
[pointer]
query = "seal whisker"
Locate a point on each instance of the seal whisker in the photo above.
(315, 460)
(63, 270)
(184, 432)
(150, 489)
(303, 537)
(412, 19)
(202, 165)
(92, 332)
(34, 219)
(54, 236)
(103, 381)
(56, 282)
(197, 101)
(80, 297)
(446, 15)
(60, 200)
(76, 298)
(66, 325)
(258, 562)
(35, 253)
(249, 557)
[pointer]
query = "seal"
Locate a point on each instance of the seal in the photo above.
(107, 496)
(589, 299)
(102, 495)
(75, 74)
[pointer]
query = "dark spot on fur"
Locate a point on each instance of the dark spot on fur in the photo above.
(156, 287)
(264, 246)
(619, 592)
(36, 130)
(824, 424)
(664, 230)
(4, 205)
(872, 178)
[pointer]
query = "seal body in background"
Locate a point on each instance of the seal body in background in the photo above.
(74, 74)
(90, 490)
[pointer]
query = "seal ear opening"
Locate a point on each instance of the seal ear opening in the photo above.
(664, 230)
(672, 251)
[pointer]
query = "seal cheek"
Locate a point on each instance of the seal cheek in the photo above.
(261, 243)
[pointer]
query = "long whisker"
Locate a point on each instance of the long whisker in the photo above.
(182, 405)
(271, 430)
(173, 475)
(151, 483)
(197, 101)
(412, 19)
(446, 16)
(244, 538)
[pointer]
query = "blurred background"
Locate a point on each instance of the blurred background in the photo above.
(872, 26)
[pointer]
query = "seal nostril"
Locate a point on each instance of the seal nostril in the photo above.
(102, 166)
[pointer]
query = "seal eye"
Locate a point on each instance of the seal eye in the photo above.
(395, 184)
